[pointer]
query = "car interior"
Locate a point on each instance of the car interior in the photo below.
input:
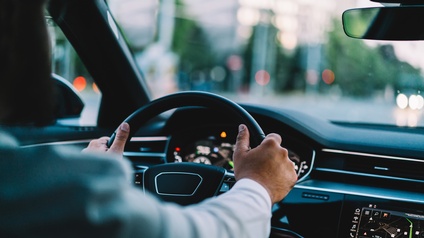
(355, 179)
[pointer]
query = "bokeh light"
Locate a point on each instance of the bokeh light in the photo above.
(420, 102)
(80, 83)
(287, 40)
(234, 62)
(286, 23)
(248, 16)
(262, 77)
(328, 76)
(416, 102)
(218, 74)
(402, 100)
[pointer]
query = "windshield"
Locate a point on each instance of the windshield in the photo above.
(284, 53)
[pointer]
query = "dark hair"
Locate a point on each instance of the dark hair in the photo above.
(26, 89)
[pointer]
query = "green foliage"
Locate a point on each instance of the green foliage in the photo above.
(287, 70)
(360, 69)
(191, 45)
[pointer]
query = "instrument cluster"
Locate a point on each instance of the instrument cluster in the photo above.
(216, 147)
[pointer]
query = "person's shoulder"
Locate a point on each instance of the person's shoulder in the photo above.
(63, 158)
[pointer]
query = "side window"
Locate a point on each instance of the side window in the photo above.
(67, 64)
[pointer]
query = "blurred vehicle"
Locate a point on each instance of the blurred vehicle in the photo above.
(185, 73)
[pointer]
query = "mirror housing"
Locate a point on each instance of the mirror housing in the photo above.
(68, 101)
(385, 23)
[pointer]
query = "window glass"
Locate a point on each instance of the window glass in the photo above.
(67, 64)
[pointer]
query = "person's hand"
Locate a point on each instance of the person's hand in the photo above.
(118, 145)
(268, 164)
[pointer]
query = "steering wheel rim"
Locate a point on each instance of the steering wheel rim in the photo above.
(192, 98)
(187, 183)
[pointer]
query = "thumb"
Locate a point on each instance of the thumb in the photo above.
(242, 143)
(121, 137)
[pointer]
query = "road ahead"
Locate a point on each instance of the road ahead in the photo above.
(330, 108)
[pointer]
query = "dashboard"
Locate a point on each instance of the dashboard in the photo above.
(354, 180)
(357, 181)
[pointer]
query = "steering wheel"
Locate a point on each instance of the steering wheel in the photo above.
(188, 183)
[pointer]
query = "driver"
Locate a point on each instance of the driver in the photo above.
(63, 192)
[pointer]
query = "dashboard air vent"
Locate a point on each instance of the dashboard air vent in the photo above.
(371, 165)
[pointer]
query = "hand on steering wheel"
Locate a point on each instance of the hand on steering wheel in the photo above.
(188, 183)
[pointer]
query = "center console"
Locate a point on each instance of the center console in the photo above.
(379, 218)
(346, 214)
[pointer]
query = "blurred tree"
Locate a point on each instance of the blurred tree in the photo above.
(287, 74)
(361, 69)
(193, 49)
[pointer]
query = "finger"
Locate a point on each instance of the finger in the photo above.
(101, 142)
(242, 142)
(97, 145)
(122, 134)
(274, 137)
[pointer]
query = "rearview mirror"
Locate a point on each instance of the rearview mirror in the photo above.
(385, 23)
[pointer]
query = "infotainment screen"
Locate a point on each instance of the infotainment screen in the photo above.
(380, 218)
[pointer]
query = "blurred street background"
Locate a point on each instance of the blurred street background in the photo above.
(286, 53)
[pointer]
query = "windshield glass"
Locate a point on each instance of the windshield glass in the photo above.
(284, 53)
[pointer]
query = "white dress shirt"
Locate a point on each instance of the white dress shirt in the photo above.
(61, 192)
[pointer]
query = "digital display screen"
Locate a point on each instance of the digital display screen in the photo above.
(207, 151)
(373, 222)
(215, 150)
(381, 219)
(215, 146)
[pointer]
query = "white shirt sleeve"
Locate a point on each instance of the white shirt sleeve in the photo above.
(244, 211)
(44, 193)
